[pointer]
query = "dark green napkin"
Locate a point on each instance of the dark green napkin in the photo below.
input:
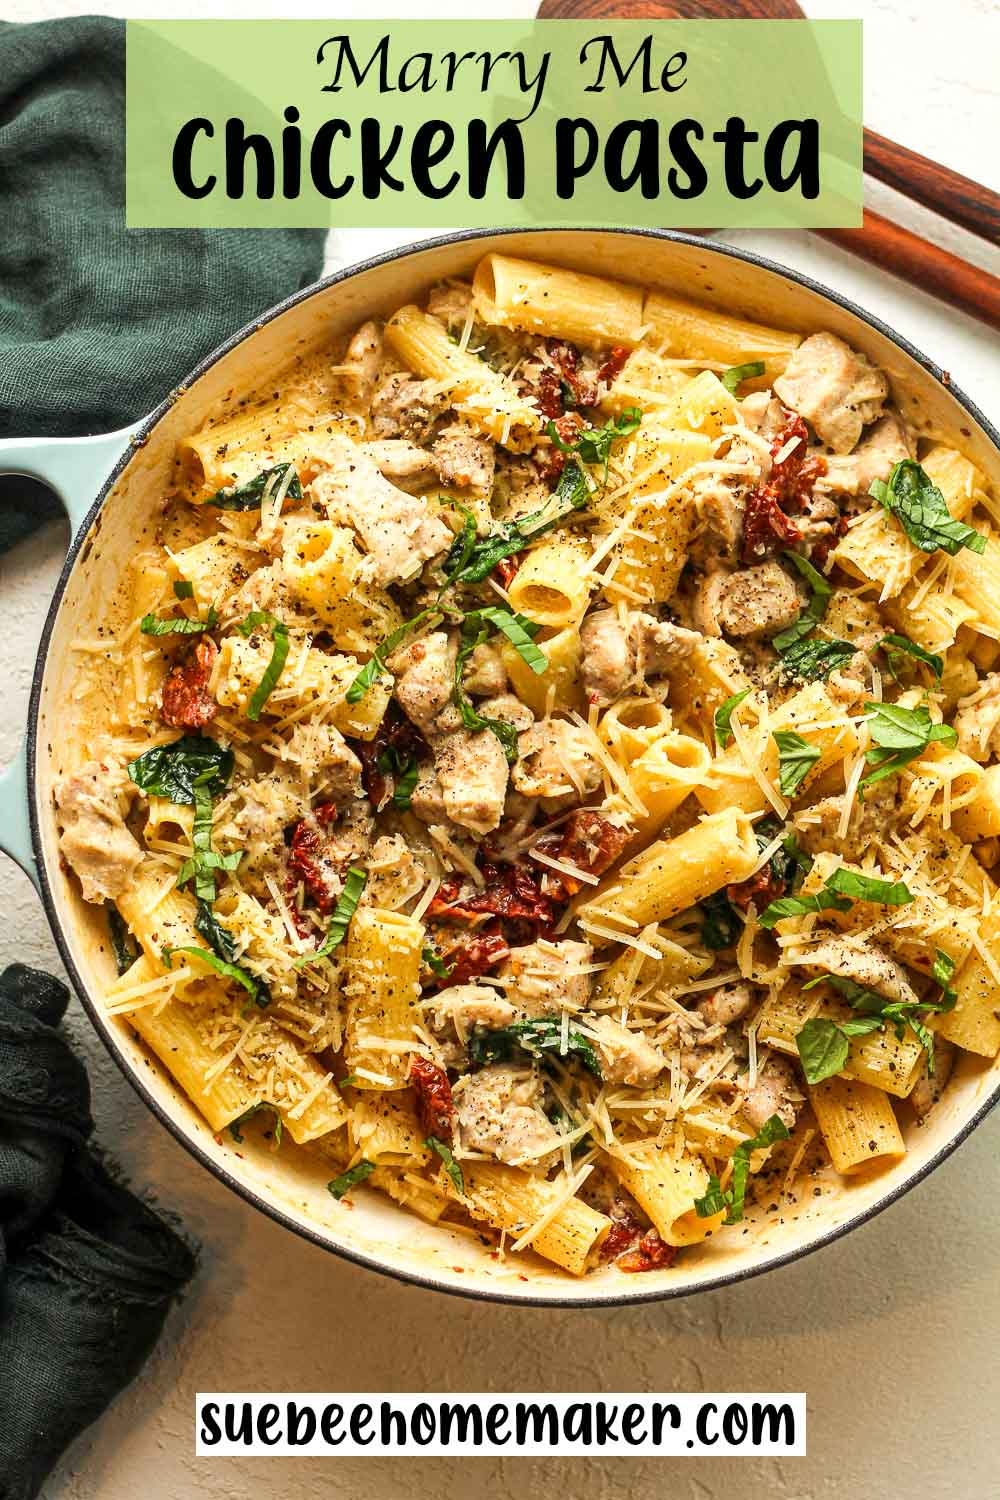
(97, 322)
(87, 1271)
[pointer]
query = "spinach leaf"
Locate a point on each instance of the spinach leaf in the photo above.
(171, 770)
(183, 589)
(815, 659)
(281, 479)
(920, 508)
(796, 758)
(541, 1035)
(375, 666)
(720, 924)
(476, 563)
(255, 987)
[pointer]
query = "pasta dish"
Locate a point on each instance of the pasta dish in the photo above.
(544, 762)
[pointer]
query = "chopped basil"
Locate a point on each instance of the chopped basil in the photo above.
(734, 1197)
(900, 735)
(897, 647)
(869, 888)
(344, 910)
(594, 444)
(282, 478)
(248, 1114)
(171, 770)
(475, 630)
(736, 374)
(724, 715)
(820, 590)
(920, 508)
(183, 589)
(402, 792)
(255, 987)
(942, 971)
(816, 658)
(800, 906)
(279, 655)
(796, 758)
(518, 629)
(450, 1164)
(542, 1035)
(463, 546)
(375, 666)
(343, 1184)
(436, 963)
(901, 1013)
(178, 624)
(123, 944)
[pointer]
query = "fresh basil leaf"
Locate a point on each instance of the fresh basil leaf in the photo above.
(183, 589)
(594, 444)
(463, 546)
(734, 1197)
(250, 495)
(900, 735)
(823, 1049)
(279, 655)
(800, 906)
(248, 1114)
(450, 1164)
(724, 715)
(897, 647)
(177, 625)
(123, 944)
(868, 888)
(344, 910)
(920, 508)
(944, 968)
(171, 770)
(796, 758)
(475, 631)
(343, 1184)
(375, 666)
(254, 986)
(736, 374)
(542, 1035)
(814, 659)
(571, 494)
(720, 925)
(402, 792)
(436, 963)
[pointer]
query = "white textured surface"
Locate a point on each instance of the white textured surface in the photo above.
(891, 1332)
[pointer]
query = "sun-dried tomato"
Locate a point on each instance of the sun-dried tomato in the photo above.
(308, 863)
(612, 367)
(793, 478)
(396, 733)
(187, 703)
(434, 1101)
(762, 888)
(625, 1230)
(472, 954)
(822, 549)
(766, 528)
(512, 892)
(588, 841)
(506, 570)
(649, 1255)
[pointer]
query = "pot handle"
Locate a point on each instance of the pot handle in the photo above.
(76, 469)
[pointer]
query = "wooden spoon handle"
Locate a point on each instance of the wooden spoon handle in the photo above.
(923, 264)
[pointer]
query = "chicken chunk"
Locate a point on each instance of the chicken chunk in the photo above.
(927, 1090)
(838, 391)
(544, 977)
(94, 840)
(485, 675)
(399, 531)
(748, 604)
(509, 710)
(627, 1057)
(267, 807)
(465, 459)
(883, 446)
(323, 754)
(776, 1091)
(361, 360)
(425, 676)
(403, 406)
(498, 1110)
(978, 720)
(617, 652)
(866, 964)
(394, 873)
(555, 764)
(472, 771)
(727, 1005)
(400, 460)
(818, 825)
(463, 1006)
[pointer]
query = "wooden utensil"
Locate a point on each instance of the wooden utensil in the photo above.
(882, 243)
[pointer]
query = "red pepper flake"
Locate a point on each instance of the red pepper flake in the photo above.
(187, 703)
(434, 1101)
(649, 1255)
